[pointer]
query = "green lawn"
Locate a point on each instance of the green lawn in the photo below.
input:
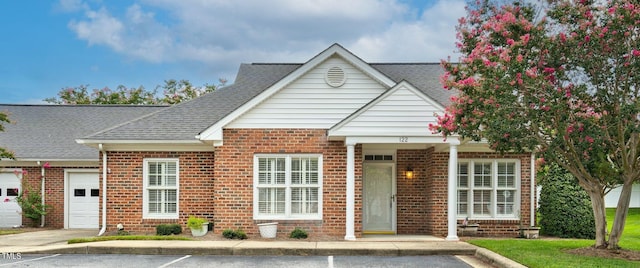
(550, 252)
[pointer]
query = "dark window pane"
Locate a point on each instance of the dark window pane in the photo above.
(12, 192)
(95, 192)
(79, 192)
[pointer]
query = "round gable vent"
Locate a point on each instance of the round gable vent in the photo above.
(335, 76)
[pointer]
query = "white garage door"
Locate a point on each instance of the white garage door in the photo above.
(83, 193)
(9, 209)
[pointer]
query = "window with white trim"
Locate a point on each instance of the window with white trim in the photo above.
(160, 189)
(287, 187)
(488, 189)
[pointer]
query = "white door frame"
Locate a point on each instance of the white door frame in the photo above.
(67, 191)
(394, 204)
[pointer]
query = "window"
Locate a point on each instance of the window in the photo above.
(161, 180)
(287, 187)
(488, 188)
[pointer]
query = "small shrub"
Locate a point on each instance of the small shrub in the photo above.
(565, 208)
(240, 234)
(228, 234)
(234, 234)
(123, 233)
(168, 229)
(298, 233)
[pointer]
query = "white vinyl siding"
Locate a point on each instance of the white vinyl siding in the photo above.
(160, 193)
(287, 187)
(488, 189)
(309, 102)
(402, 113)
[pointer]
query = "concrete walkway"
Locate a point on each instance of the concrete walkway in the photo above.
(54, 242)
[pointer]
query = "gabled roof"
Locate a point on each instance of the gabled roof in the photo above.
(407, 112)
(48, 132)
(255, 82)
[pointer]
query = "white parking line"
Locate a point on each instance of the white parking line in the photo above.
(36, 259)
(330, 260)
(174, 261)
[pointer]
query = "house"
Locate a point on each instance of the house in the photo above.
(42, 138)
(336, 146)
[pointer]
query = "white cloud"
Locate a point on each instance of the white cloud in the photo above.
(222, 34)
(100, 28)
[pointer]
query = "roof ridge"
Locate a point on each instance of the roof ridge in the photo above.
(126, 122)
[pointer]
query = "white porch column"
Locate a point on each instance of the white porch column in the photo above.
(452, 199)
(351, 185)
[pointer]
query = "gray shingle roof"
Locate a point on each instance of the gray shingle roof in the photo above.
(424, 76)
(186, 120)
(48, 132)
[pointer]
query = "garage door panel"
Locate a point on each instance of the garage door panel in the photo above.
(9, 208)
(83, 196)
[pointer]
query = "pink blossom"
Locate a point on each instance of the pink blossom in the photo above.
(589, 139)
(6, 200)
(549, 70)
(635, 53)
(587, 38)
(519, 58)
(563, 37)
(510, 42)
(46, 165)
(525, 38)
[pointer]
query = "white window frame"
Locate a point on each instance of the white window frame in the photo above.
(145, 189)
(287, 215)
(494, 190)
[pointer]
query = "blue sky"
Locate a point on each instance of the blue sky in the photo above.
(50, 45)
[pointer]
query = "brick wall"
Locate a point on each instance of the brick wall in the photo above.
(437, 188)
(124, 189)
(412, 196)
(233, 185)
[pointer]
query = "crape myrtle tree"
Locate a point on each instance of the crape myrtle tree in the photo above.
(561, 80)
(173, 92)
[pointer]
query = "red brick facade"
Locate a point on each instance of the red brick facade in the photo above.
(125, 187)
(234, 178)
(219, 186)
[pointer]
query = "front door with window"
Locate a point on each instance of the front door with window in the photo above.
(379, 215)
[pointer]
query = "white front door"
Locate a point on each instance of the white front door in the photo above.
(379, 205)
(9, 209)
(82, 193)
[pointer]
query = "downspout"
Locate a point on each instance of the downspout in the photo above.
(42, 192)
(533, 192)
(104, 190)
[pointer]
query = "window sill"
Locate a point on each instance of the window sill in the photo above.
(286, 219)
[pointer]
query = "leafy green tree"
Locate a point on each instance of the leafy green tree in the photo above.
(173, 92)
(4, 118)
(178, 91)
(562, 82)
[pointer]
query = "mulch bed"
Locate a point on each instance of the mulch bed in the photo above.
(623, 254)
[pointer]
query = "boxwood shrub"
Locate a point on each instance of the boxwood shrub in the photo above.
(168, 229)
(565, 208)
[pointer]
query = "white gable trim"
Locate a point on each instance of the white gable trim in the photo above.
(214, 132)
(337, 132)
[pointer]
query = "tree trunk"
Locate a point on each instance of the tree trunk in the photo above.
(621, 215)
(599, 212)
